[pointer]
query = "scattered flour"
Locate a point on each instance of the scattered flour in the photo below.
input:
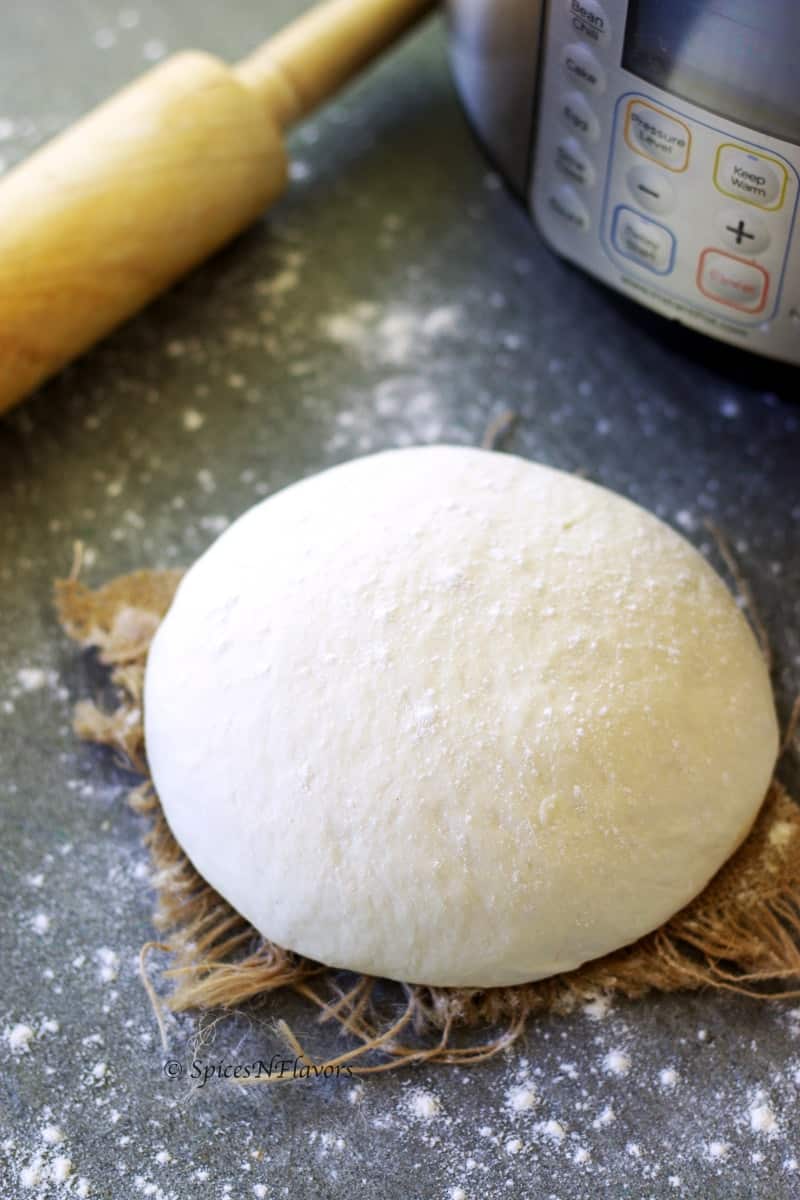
(108, 960)
(521, 1098)
(605, 1118)
(597, 1009)
(616, 1062)
(553, 1130)
(395, 337)
(780, 834)
(19, 1038)
(31, 1174)
(718, 1151)
(153, 50)
(31, 679)
(206, 480)
(61, 1169)
(762, 1116)
(730, 407)
(192, 420)
(686, 520)
(424, 1105)
(282, 283)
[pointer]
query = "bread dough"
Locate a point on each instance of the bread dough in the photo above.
(451, 717)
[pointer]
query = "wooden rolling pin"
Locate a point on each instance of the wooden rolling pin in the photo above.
(114, 210)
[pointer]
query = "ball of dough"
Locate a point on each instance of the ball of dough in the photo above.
(454, 718)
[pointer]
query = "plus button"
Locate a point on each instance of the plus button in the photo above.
(740, 232)
(743, 231)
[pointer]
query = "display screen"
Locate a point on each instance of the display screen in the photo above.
(737, 58)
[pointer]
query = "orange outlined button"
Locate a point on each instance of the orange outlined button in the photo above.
(733, 281)
(656, 135)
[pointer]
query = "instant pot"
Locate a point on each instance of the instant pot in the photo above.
(655, 143)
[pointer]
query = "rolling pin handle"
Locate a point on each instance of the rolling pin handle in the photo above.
(314, 56)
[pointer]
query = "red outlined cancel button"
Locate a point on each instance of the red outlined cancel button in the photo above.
(733, 281)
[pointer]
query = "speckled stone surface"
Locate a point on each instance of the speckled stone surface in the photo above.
(396, 295)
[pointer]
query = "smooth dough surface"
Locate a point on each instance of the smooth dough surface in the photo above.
(451, 717)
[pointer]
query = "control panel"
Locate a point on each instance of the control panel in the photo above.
(685, 211)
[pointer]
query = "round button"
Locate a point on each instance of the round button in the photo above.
(742, 231)
(589, 19)
(651, 189)
(566, 205)
(578, 116)
(573, 161)
(582, 67)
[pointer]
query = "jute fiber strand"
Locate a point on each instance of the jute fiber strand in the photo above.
(742, 933)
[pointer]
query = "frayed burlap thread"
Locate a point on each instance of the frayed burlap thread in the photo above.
(742, 933)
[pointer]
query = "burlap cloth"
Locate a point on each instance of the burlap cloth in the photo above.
(740, 934)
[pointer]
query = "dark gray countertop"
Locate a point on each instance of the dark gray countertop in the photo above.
(396, 295)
